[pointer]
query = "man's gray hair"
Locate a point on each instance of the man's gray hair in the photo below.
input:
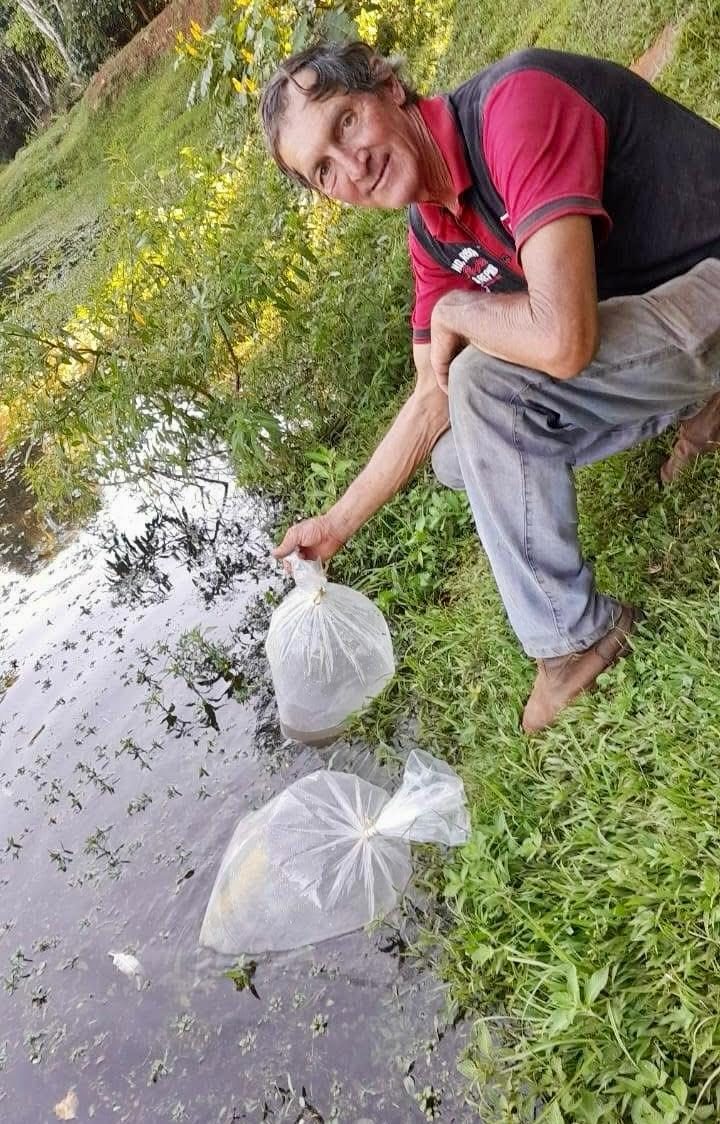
(338, 68)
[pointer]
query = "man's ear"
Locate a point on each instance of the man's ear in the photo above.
(398, 92)
(391, 84)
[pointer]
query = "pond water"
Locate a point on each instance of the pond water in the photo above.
(136, 727)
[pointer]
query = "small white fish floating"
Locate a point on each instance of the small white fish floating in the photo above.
(66, 1109)
(126, 963)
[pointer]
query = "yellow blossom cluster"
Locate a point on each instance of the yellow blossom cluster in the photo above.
(124, 301)
(366, 22)
(186, 44)
(177, 240)
(321, 218)
(237, 52)
(268, 328)
(244, 85)
(4, 422)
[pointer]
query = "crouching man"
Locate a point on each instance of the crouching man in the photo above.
(564, 232)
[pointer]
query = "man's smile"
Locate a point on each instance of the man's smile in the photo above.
(383, 168)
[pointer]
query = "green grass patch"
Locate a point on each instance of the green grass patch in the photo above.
(63, 180)
(480, 34)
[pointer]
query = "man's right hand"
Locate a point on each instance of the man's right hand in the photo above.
(312, 538)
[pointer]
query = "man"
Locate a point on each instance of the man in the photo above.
(545, 194)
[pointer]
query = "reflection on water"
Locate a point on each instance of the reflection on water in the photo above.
(136, 726)
(26, 539)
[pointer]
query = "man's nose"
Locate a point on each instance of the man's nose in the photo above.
(353, 161)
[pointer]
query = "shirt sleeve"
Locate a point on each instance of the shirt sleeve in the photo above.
(545, 147)
(432, 281)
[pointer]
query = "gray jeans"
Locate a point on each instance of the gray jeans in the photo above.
(517, 434)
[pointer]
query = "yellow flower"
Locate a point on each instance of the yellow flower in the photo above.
(196, 31)
(367, 26)
(244, 85)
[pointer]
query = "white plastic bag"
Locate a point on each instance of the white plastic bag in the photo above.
(329, 651)
(328, 855)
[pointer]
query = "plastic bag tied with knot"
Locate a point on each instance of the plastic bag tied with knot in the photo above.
(330, 652)
(328, 855)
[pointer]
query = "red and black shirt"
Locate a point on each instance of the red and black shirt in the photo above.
(543, 134)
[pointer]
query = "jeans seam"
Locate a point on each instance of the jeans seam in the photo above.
(527, 510)
(629, 362)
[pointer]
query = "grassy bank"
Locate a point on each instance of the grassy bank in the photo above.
(580, 927)
(64, 180)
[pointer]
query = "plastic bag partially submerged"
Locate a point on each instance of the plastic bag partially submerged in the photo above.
(330, 652)
(328, 855)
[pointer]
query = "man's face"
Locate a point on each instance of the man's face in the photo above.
(357, 148)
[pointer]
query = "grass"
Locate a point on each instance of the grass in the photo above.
(621, 32)
(594, 846)
(580, 926)
(63, 180)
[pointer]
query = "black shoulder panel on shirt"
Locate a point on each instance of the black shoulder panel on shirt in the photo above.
(661, 175)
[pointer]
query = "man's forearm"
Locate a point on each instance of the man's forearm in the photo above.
(501, 325)
(510, 327)
(553, 327)
(419, 424)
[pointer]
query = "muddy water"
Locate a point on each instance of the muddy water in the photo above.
(136, 726)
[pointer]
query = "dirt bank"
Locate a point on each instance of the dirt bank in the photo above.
(146, 46)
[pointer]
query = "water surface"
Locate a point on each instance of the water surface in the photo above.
(136, 727)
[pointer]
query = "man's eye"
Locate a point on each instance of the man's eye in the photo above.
(348, 120)
(322, 172)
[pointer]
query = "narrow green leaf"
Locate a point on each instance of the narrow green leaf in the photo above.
(596, 984)
(573, 987)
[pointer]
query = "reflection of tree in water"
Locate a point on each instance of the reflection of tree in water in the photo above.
(212, 672)
(215, 551)
(219, 551)
(25, 537)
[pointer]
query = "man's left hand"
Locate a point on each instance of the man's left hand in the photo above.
(445, 344)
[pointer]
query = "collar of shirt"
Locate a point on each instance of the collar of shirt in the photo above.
(438, 118)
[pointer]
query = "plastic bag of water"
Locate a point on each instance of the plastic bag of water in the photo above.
(330, 653)
(328, 855)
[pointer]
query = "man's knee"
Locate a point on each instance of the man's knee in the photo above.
(474, 374)
(446, 465)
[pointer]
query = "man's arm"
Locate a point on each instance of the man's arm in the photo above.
(418, 425)
(551, 328)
